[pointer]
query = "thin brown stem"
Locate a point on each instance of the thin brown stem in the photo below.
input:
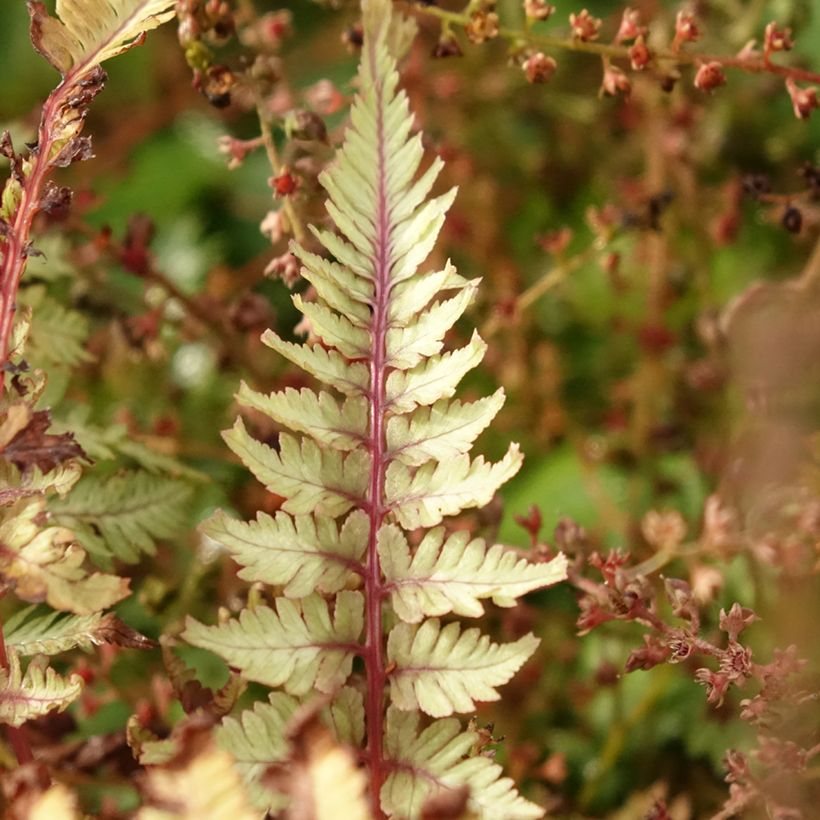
(294, 220)
(522, 37)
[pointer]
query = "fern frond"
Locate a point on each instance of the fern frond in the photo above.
(259, 736)
(437, 489)
(424, 764)
(38, 691)
(442, 670)
(301, 553)
(38, 631)
(86, 32)
(453, 575)
(310, 478)
(121, 516)
(388, 442)
(112, 441)
(296, 645)
(57, 335)
(46, 564)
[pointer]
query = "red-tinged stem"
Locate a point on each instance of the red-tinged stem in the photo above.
(13, 262)
(16, 734)
(374, 587)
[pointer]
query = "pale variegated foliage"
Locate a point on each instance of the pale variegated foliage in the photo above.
(29, 694)
(387, 419)
(86, 32)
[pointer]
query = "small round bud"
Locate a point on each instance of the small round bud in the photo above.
(483, 26)
(776, 39)
(639, 54)
(630, 27)
(447, 46)
(615, 82)
(585, 27)
(539, 68)
(792, 219)
(804, 100)
(538, 9)
(710, 76)
(686, 29)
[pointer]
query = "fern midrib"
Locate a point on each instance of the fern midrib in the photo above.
(374, 590)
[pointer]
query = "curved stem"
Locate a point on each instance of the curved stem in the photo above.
(13, 263)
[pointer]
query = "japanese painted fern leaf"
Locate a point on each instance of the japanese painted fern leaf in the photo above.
(382, 449)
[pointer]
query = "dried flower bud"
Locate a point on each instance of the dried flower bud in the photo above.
(736, 620)
(556, 242)
(652, 653)
(804, 100)
(483, 26)
(272, 227)
(286, 267)
(325, 98)
(539, 68)
(679, 594)
(776, 39)
(585, 27)
(538, 9)
(663, 529)
(615, 82)
(531, 522)
(792, 219)
(710, 76)
(716, 685)
(639, 54)
(630, 27)
(686, 29)
(353, 37)
(236, 150)
(447, 46)
(305, 125)
(216, 84)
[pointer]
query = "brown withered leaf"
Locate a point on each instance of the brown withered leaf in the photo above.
(34, 446)
(192, 695)
(113, 631)
(199, 782)
(322, 777)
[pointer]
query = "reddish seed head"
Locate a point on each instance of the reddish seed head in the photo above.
(710, 76)
(283, 185)
(585, 27)
(539, 68)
